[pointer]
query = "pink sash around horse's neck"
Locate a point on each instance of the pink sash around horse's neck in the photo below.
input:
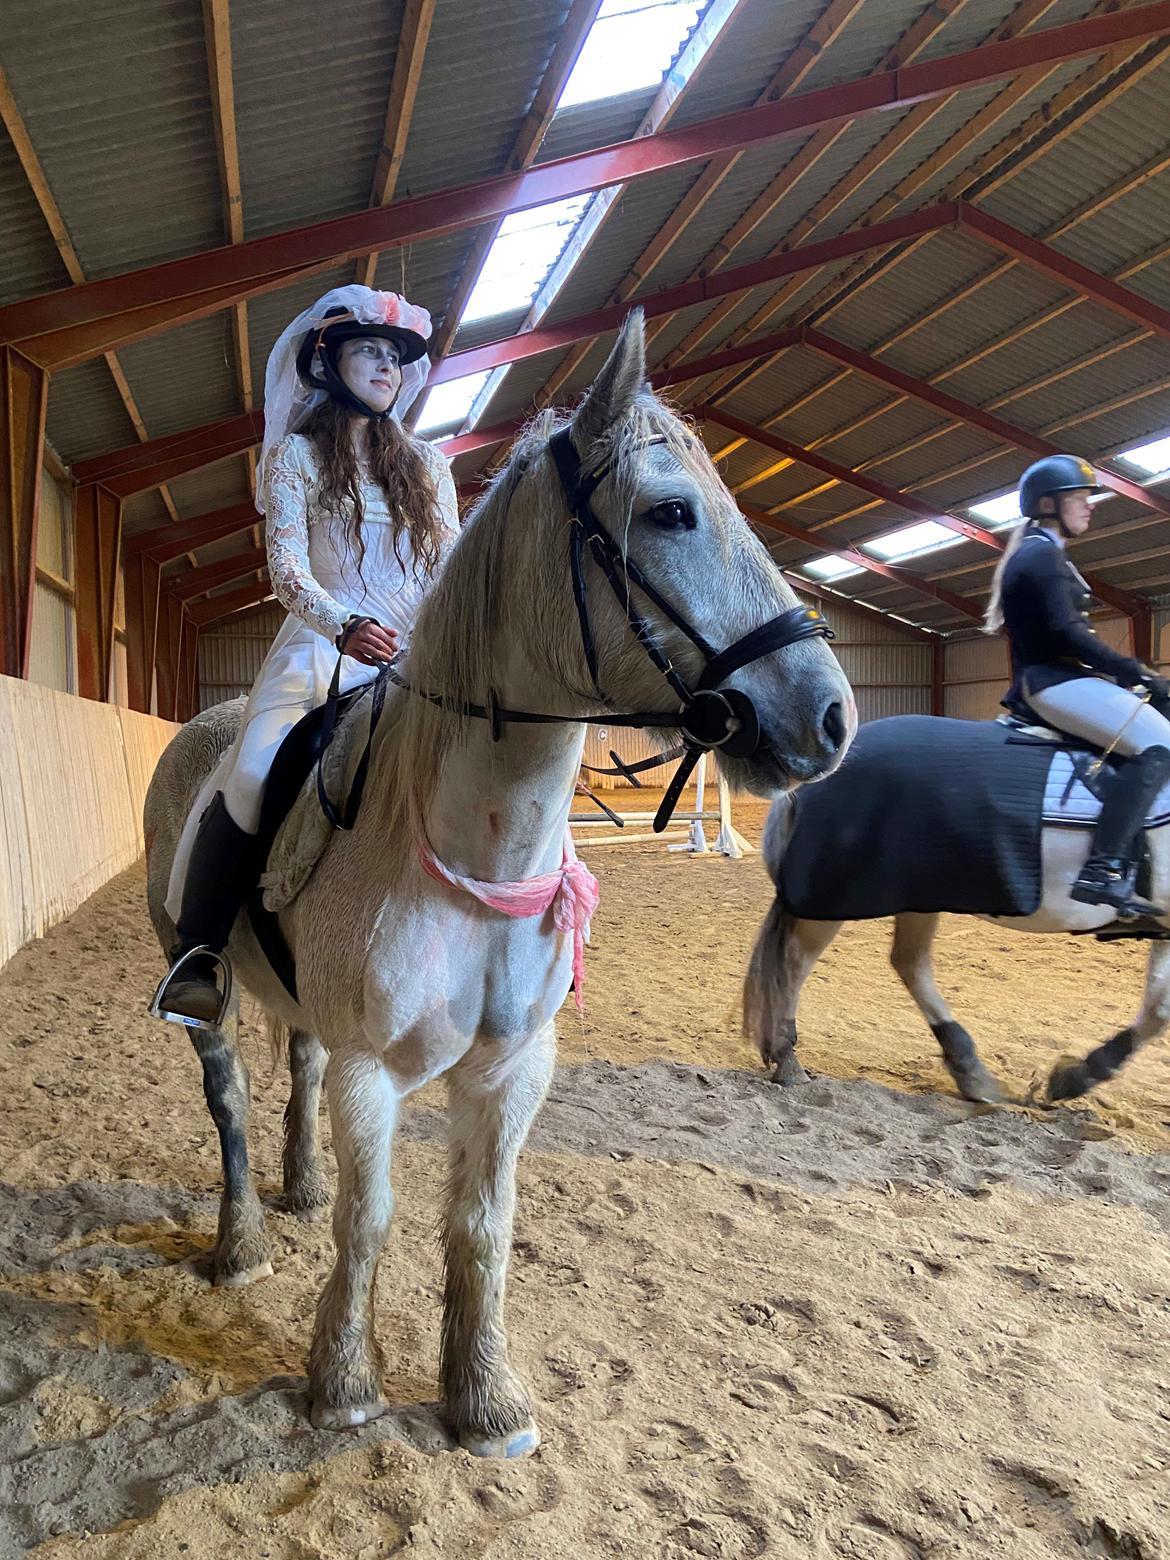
(572, 893)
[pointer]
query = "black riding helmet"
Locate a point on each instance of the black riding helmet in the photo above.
(322, 345)
(1054, 474)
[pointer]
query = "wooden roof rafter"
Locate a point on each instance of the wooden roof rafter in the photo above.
(417, 17)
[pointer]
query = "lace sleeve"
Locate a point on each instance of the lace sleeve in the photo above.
(447, 497)
(287, 539)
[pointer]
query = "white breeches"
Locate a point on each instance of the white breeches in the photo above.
(1096, 711)
(243, 789)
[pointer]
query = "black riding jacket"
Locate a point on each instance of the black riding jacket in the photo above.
(1045, 616)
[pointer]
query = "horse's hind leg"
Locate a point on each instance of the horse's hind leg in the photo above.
(911, 958)
(1068, 1080)
(490, 1114)
(242, 1253)
(306, 1187)
(785, 951)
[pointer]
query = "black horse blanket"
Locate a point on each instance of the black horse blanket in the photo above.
(923, 814)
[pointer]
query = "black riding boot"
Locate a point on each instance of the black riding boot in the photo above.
(1110, 874)
(222, 870)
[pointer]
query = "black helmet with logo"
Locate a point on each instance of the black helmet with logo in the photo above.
(1054, 474)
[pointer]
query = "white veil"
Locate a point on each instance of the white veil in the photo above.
(288, 400)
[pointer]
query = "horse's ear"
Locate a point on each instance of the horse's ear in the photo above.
(613, 392)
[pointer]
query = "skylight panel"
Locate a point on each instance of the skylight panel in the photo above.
(1152, 458)
(1004, 510)
(450, 402)
(832, 567)
(527, 246)
(911, 540)
(630, 46)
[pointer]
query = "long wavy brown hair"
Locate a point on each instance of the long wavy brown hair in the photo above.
(396, 464)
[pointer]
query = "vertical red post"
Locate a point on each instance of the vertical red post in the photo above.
(142, 576)
(23, 399)
(938, 654)
(1141, 633)
(168, 654)
(97, 537)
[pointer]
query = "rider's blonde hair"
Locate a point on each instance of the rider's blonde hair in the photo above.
(993, 616)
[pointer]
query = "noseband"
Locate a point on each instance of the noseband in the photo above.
(711, 716)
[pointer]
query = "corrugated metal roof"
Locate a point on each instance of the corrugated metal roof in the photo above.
(116, 99)
(86, 416)
(31, 262)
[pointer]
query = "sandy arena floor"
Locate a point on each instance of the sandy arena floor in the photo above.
(861, 1319)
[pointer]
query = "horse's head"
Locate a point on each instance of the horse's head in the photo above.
(653, 487)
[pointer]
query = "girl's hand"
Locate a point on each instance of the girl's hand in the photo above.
(371, 644)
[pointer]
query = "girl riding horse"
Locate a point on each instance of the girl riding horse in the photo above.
(359, 513)
(1065, 676)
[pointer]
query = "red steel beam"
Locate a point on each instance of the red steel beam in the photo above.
(974, 416)
(127, 307)
(1122, 600)
(889, 571)
(858, 479)
(142, 579)
(216, 607)
(167, 542)
(97, 534)
(137, 457)
(194, 582)
(1042, 257)
(702, 289)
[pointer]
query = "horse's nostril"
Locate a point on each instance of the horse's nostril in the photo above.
(834, 725)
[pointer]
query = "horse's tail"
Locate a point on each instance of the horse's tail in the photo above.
(764, 1005)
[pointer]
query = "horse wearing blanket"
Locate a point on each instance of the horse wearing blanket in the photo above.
(929, 815)
(599, 573)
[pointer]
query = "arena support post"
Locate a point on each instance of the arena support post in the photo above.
(23, 402)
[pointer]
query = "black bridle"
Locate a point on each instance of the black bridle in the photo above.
(710, 716)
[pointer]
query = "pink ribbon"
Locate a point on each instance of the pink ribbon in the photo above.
(571, 892)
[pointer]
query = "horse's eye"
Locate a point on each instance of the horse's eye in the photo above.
(672, 514)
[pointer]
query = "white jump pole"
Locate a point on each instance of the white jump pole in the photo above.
(729, 841)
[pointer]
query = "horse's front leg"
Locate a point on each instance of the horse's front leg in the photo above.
(242, 1253)
(345, 1362)
(1068, 1080)
(911, 957)
(306, 1187)
(492, 1105)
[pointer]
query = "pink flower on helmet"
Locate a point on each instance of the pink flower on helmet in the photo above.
(395, 310)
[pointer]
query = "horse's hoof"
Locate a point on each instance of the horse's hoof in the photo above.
(242, 1277)
(517, 1443)
(326, 1417)
(1069, 1081)
(789, 1072)
(980, 1087)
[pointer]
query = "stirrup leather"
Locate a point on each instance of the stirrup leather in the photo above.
(158, 1009)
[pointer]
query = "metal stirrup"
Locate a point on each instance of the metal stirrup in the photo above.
(157, 1010)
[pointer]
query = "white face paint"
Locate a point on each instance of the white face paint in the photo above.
(368, 366)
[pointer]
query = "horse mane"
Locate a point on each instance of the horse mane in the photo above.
(501, 557)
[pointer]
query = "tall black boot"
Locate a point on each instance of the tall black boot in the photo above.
(223, 868)
(1109, 876)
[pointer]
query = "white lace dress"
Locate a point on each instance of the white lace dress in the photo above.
(316, 572)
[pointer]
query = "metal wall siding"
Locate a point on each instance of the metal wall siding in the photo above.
(116, 100)
(231, 654)
(51, 649)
